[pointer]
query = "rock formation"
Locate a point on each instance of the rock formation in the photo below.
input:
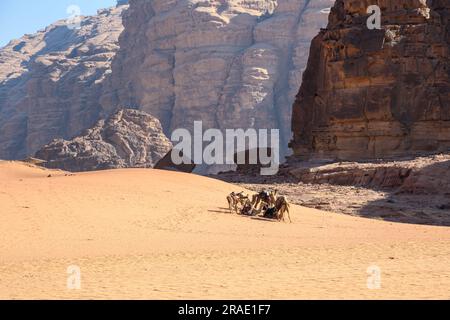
(229, 63)
(50, 81)
(407, 190)
(128, 138)
(377, 93)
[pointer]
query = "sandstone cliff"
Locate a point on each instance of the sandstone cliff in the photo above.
(377, 93)
(128, 138)
(50, 81)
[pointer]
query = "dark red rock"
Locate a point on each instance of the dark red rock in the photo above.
(376, 93)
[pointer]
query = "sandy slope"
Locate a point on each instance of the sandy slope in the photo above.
(150, 234)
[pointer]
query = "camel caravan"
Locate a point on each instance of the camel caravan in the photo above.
(266, 202)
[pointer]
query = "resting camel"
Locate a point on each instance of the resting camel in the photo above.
(248, 209)
(237, 199)
(264, 199)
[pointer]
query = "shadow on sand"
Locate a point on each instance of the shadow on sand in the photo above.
(420, 197)
(227, 211)
(423, 198)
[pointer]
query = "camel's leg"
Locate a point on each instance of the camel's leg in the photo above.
(230, 205)
(279, 215)
(289, 215)
(261, 205)
(236, 209)
(257, 202)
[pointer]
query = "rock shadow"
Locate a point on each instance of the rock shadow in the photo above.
(423, 198)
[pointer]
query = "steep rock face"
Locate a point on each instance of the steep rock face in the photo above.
(377, 93)
(128, 138)
(50, 81)
(229, 63)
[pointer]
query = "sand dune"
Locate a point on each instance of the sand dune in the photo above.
(148, 234)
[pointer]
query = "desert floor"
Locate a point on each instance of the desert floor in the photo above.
(148, 234)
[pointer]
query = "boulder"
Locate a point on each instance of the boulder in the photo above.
(127, 139)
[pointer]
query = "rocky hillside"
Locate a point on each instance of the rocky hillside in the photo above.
(50, 81)
(377, 93)
(128, 138)
(408, 190)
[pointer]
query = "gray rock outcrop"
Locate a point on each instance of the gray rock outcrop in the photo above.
(128, 138)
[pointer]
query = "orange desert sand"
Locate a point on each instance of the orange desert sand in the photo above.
(148, 234)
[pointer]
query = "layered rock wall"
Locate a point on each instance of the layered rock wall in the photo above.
(231, 64)
(377, 93)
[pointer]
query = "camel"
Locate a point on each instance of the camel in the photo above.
(237, 199)
(270, 213)
(275, 207)
(282, 207)
(248, 209)
(232, 202)
(265, 199)
(242, 200)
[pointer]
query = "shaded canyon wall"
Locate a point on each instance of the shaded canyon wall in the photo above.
(377, 93)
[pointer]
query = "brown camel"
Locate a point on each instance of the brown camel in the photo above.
(282, 207)
(265, 199)
(236, 201)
